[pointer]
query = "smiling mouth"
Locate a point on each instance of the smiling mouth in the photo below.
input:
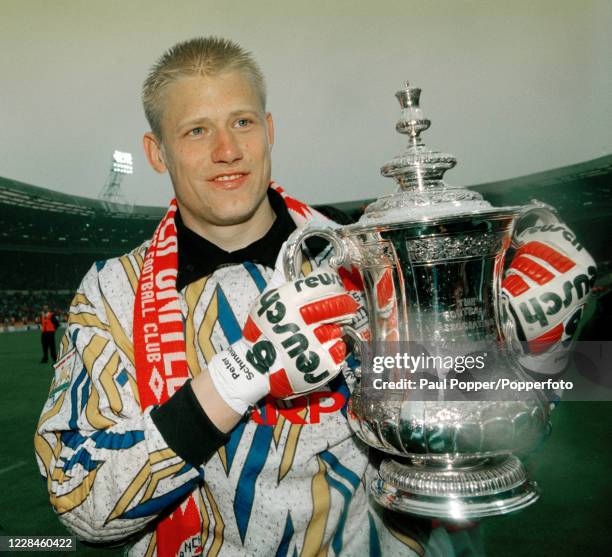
(229, 177)
(230, 181)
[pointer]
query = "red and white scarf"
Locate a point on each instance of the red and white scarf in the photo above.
(161, 362)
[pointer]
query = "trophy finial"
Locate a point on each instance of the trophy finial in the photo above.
(419, 167)
(412, 121)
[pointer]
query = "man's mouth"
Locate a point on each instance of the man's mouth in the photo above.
(231, 181)
(229, 177)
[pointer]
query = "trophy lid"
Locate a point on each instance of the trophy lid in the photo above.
(419, 172)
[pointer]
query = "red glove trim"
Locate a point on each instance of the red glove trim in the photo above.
(328, 309)
(327, 332)
(545, 341)
(515, 285)
(251, 332)
(548, 254)
(279, 384)
(338, 352)
(532, 269)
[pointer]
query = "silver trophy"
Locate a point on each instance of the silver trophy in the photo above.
(430, 258)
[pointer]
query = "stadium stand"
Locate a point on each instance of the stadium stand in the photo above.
(49, 239)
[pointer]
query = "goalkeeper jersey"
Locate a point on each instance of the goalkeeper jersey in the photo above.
(291, 479)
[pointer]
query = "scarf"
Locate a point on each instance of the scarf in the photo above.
(161, 362)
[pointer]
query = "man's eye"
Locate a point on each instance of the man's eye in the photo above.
(242, 122)
(196, 131)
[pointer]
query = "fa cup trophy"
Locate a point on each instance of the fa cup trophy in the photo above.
(431, 259)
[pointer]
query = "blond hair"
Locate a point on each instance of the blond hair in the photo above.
(204, 56)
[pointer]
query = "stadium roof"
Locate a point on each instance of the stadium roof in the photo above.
(23, 195)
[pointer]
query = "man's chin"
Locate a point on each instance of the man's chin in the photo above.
(237, 214)
(230, 219)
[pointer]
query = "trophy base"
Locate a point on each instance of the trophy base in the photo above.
(485, 487)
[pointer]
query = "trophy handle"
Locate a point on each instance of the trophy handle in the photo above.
(292, 265)
(537, 213)
(293, 254)
(357, 347)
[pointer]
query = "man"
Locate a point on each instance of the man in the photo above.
(164, 428)
(48, 325)
(131, 456)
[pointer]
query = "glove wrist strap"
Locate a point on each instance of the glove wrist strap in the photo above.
(237, 383)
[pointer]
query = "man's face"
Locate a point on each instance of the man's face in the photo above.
(216, 142)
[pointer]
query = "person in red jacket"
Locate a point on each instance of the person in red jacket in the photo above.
(48, 325)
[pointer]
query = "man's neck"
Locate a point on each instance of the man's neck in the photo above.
(236, 236)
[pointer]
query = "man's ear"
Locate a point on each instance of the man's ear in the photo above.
(153, 151)
(270, 128)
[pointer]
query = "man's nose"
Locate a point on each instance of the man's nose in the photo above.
(227, 149)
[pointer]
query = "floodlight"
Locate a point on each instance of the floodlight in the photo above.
(111, 194)
(122, 162)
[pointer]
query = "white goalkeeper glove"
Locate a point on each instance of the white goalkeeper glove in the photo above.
(544, 292)
(292, 342)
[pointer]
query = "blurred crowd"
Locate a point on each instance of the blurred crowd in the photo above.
(23, 308)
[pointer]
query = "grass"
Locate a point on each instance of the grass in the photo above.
(24, 503)
(572, 468)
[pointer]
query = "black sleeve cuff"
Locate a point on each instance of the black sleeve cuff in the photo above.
(186, 428)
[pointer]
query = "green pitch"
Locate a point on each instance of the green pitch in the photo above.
(24, 504)
(573, 469)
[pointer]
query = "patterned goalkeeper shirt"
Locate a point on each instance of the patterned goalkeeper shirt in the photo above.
(290, 479)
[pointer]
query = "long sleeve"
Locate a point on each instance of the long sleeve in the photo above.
(108, 468)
